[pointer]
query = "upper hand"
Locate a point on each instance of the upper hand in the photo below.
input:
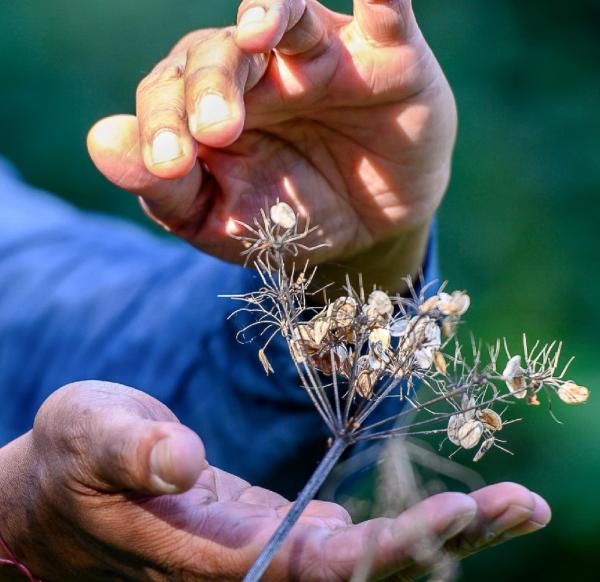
(109, 485)
(348, 118)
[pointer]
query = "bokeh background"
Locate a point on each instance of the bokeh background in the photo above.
(519, 227)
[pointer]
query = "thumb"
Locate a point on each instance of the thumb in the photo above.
(113, 438)
(385, 22)
(144, 455)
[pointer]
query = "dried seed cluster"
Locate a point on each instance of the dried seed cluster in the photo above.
(361, 348)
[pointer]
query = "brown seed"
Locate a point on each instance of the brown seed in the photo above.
(364, 384)
(490, 418)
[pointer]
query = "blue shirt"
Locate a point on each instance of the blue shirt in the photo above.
(84, 296)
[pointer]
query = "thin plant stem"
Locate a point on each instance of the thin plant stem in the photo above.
(306, 495)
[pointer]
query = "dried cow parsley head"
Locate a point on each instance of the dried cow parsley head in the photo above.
(361, 348)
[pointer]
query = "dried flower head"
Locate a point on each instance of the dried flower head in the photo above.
(358, 351)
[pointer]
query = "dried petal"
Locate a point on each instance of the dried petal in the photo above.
(490, 418)
(283, 215)
(469, 434)
(484, 448)
(571, 393)
(455, 303)
(381, 302)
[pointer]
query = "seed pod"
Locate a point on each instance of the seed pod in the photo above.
(365, 382)
(440, 363)
(282, 215)
(468, 406)
(514, 376)
(456, 303)
(469, 434)
(381, 302)
(455, 422)
(321, 328)
(449, 326)
(429, 304)
(484, 448)
(382, 336)
(344, 310)
(424, 358)
(490, 418)
(571, 393)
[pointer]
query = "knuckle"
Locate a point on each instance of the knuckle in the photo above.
(166, 116)
(207, 74)
(163, 74)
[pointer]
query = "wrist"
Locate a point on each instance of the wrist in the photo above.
(18, 490)
(385, 264)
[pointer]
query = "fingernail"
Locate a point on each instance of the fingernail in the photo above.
(161, 467)
(165, 147)
(212, 109)
(253, 15)
(515, 515)
(458, 524)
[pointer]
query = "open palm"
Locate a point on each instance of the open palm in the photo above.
(126, 494)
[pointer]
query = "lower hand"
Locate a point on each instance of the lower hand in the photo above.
(109, 485)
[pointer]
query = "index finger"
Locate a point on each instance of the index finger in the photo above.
(292, 27)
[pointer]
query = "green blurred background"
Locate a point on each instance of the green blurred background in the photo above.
(518, 228)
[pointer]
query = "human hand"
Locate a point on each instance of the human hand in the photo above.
(109, 486)
(348, 119)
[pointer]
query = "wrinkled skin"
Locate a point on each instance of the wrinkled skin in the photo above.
(90, 494)
(348, 118)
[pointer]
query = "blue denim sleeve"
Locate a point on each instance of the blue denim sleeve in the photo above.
(89, 297)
